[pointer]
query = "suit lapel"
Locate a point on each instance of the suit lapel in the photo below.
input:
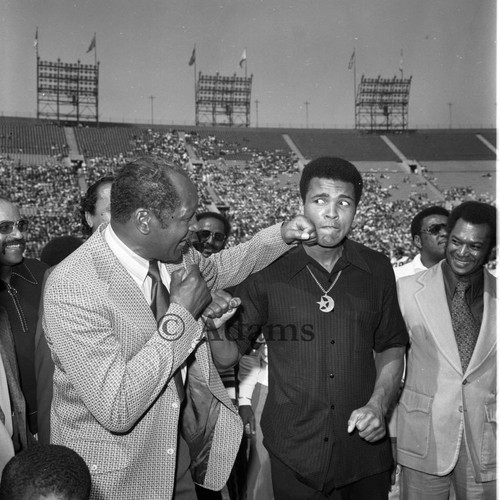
(434, 310)
(486, 340)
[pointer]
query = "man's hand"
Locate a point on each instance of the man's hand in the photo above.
(222, 307)
(189, 290)
(369, 421)
(300, 228)
(248, 418)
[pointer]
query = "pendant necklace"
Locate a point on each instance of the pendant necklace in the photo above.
(326, 304)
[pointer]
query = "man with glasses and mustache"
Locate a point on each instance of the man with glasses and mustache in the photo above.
(213, 230)
(20, 290)
(428, 233)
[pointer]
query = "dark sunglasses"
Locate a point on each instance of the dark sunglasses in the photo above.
(434, 229)
(7, 226)
(204, 235)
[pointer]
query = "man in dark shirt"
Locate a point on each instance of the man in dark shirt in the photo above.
(336, 341)
(446, 423)
(20, 289)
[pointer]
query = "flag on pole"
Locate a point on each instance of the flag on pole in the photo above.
(35, 43)
(192, 59)
(401, 62)
(243, 57)
(351, 60)
(92, 44)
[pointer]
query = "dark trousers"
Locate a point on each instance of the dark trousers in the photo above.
(287, 486)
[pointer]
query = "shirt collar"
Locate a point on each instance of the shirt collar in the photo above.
(298, 259)
(135, 265)
(22, 271)
(476, 280)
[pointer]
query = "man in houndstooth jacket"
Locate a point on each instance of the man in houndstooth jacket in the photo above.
(115, 398)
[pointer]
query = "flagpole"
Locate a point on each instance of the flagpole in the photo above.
(354, 67)
(95, 49)
(245, 62)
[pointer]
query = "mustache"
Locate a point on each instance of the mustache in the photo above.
(7, 243)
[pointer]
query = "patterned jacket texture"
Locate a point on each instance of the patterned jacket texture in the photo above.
(115, 401)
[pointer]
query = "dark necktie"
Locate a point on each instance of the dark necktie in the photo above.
(464, 325)
(159, 305)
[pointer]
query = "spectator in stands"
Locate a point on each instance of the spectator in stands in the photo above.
(446, 426)
(429, 235)
(336, 341)
(121, 373)
(20, 291)
(46, 472)
(14, 432)
(96, 205)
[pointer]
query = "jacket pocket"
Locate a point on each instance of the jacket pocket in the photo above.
(489, 442)
(102, 457)
(414, 423)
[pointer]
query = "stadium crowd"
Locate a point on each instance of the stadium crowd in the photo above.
(258, 191)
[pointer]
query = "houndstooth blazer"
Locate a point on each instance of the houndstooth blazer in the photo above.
(115, 402)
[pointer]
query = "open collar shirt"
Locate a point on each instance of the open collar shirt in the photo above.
(321, 365)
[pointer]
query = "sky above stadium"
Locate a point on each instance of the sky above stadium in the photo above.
(297, 50)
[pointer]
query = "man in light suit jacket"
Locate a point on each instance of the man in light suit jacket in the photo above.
(447, 411)
(116, 401)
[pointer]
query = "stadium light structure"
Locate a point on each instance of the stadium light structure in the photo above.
(67, 91)
(223, 100)
(382, 104)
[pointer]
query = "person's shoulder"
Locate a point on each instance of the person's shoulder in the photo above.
(373, 258)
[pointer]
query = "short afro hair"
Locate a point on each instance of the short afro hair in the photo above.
(45, 470)
(218, 216)
(416, 223)
(475, 212)
(332, 168)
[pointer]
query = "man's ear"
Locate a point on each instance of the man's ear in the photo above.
(89, 219)
(417, 241)
(142, 219)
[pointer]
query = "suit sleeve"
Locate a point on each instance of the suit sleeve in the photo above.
(231, 266)
(116, 362)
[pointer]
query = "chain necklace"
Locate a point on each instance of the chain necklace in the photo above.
(326, 304)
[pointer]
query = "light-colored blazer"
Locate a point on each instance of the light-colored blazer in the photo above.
(115, 401)
(439, 403)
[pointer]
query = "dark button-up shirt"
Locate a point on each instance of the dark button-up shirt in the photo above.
(321, 365)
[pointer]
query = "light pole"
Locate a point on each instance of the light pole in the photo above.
(307, 113)
(152, 97)
(450, 104)
(256, 114)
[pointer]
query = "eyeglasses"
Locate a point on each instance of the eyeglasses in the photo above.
(7, 226)
(434, 229)
(205, 235)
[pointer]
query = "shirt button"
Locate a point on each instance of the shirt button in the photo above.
(460, 409)
(175, 405)
(170, 451)
(465, 382)
(331, 375)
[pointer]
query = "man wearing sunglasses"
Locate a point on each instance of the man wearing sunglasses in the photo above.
(20, 290)
(428, 233)
(213, 230)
